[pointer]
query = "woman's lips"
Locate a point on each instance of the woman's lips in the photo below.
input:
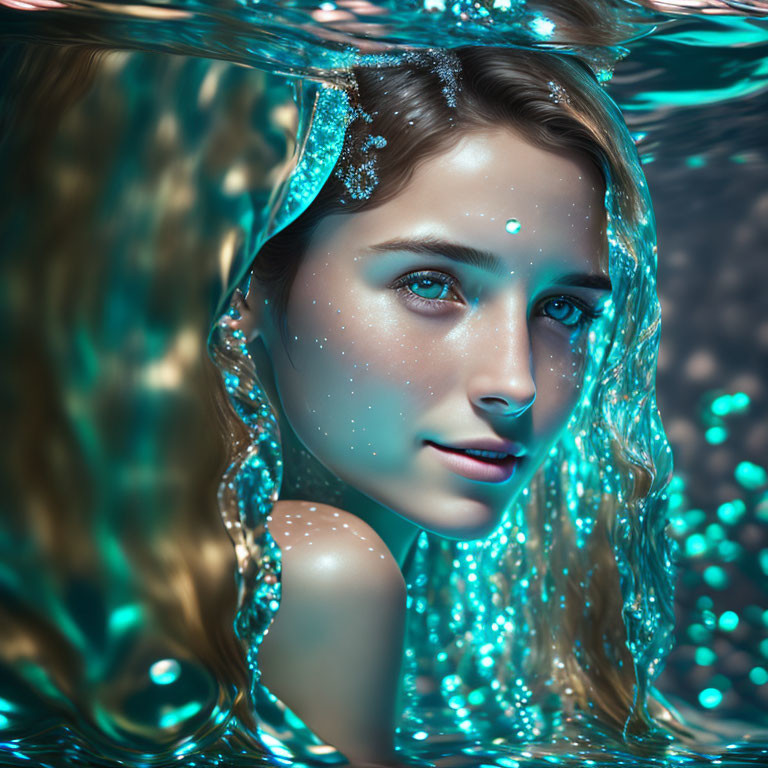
(484, 470)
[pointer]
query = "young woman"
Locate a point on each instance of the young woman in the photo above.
(458, 339)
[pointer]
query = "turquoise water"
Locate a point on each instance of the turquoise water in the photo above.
(168, 152)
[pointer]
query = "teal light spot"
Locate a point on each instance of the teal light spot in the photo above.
(165, 671)
(709, 698)
(513, 226)
(729, 620)
(715, 532)
(125, 617)
(729, 551)
(695, 517)
(732, 511)
(695, 545)
(740, 402)
(180, 714)
(721, 406)
(705, 657)
(762, 558)
(676, 484)
(420, 735)
(476, 698)
(750, 476)
(4, 722)
(6, 706)
(716, 435)
(758, 675)
(696, 161)
(716, 577)
(764, 647)
(698, 633)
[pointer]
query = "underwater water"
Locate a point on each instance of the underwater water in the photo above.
(109, 655)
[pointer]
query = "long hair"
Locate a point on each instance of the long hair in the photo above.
(571, 596)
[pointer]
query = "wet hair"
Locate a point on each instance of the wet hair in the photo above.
(581, 561)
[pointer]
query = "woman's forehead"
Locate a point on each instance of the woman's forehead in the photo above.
(496, 192)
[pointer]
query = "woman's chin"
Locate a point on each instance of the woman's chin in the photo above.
(460, 519)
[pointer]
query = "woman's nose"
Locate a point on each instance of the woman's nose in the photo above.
(502, 381)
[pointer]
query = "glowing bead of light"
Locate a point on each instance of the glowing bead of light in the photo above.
(758, 675)
(695, 545)
(740, 402)
(705, 657)
(709, 698)
(420, 735)
(698, 633)
(721, 406)
(716, 577)
(716, 435)
(762, 558)
(513, 226)
(165, 671)
(732, 511)
(728, 621)
(476, 698)
(750, 476)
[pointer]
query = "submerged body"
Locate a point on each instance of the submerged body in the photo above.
(334, 652)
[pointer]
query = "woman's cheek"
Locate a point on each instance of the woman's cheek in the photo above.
(348, 393)
(559, 363)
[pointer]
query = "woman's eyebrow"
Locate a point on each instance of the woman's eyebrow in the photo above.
(430, 246)
(585, 280)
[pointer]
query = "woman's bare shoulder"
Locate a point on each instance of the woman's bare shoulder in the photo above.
(333, 652)
(327, 543)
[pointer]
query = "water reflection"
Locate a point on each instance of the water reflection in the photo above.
(95, 475)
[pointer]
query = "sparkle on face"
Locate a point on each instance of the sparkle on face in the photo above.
(513, 226)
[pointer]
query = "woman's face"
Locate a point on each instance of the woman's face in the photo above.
(430, 325)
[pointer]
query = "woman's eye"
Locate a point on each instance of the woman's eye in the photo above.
(428, 286)
(569, 312)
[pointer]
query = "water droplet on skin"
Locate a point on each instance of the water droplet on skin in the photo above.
(513, 226)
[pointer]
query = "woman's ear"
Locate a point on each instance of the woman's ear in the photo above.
(251, 310)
